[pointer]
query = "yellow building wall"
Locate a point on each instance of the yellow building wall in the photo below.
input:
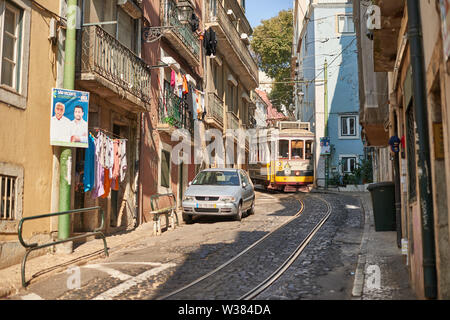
(25, 134)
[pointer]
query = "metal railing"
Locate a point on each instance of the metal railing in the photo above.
(232, 120)
(168, 210)
(219, 15)
(103, 54)
(183, 31)
(215, 108)
(173, 111)
(34, 246)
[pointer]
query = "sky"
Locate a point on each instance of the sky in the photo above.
(257, 10)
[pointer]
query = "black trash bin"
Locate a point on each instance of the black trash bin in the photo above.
(383, 202)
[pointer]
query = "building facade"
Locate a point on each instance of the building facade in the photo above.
(407, 44)
(326, 90)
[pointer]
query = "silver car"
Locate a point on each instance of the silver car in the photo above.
(219, 192)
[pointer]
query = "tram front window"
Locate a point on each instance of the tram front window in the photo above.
(308, 150)
(297, 147)
(283, 149)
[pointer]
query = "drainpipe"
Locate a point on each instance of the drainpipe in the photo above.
(66, 153)
(325, 114)
(424, 168)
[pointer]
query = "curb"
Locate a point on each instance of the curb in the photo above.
(358, 284)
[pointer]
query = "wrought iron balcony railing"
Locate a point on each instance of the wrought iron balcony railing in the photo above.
(232, 120)
(215, 108)
(183, 31)
(173, 111)
(104, 55)
(219, 15)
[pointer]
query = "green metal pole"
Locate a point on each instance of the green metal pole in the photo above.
(66, 153)
(327, 157)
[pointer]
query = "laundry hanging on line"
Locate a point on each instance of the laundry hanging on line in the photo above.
(105, 165)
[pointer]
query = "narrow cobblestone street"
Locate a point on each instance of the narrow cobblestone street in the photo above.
(156, 266)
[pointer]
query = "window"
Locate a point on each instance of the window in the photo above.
(11, 192)
(11, 26)
(7, 197)
(308, 150)
(348, 164)
(216, 178)
(345, 24)
(15, 16)
(348, 126)
(283, 150)
(165, 168)
(297, 147)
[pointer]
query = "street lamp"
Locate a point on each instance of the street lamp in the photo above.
(185, 10)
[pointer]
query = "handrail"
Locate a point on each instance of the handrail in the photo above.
(34, 246)
(155, 196)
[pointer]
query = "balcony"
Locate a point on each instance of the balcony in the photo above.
(180, 36)
(112, 71)
(232, 121)
(229, 43)
(214, 113)
(173, 114)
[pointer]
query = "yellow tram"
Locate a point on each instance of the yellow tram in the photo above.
(291, 166)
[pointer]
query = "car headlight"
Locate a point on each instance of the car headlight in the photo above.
(188, 198)
(227, 199)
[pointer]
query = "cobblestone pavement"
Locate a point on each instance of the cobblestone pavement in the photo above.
(220, 238)
(155, 266)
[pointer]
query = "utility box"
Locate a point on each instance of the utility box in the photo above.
(383, 202)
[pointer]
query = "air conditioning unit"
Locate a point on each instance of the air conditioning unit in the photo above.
(231, 15)
(245, 39)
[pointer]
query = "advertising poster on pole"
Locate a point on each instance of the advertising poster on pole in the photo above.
(69, 118)
(325, 147)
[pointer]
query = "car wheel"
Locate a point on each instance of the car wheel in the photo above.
(188, 219)
(252, 209)
(238, 216)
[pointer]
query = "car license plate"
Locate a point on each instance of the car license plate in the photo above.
(207, 205)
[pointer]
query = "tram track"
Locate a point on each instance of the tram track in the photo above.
(297, 225)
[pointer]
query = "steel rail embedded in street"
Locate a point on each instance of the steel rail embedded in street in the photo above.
(298, 214)
(282, 269)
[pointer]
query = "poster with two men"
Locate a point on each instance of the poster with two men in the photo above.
(69, 118)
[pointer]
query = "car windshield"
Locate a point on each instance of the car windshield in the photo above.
(217, 178)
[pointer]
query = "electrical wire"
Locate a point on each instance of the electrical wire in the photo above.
(40, 6)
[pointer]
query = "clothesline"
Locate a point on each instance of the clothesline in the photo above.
(96, 129)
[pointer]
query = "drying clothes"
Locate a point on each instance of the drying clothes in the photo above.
(194, 22)
(123, 159)
(107, 185)
(210, 42)
(172, 79)
(116, 165)
(200, 102)
(185, 85)
(190, 100)
(98, 189)
(109, 156)
(89, 165)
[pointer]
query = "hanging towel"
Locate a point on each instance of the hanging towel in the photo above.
(123, 159)
(89, 165)
(185, 85)
(172, 79)
(107, 185)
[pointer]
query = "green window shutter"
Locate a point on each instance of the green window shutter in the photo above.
(165, 169)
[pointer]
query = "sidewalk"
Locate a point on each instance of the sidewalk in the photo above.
(43, 266)
(380, 254)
